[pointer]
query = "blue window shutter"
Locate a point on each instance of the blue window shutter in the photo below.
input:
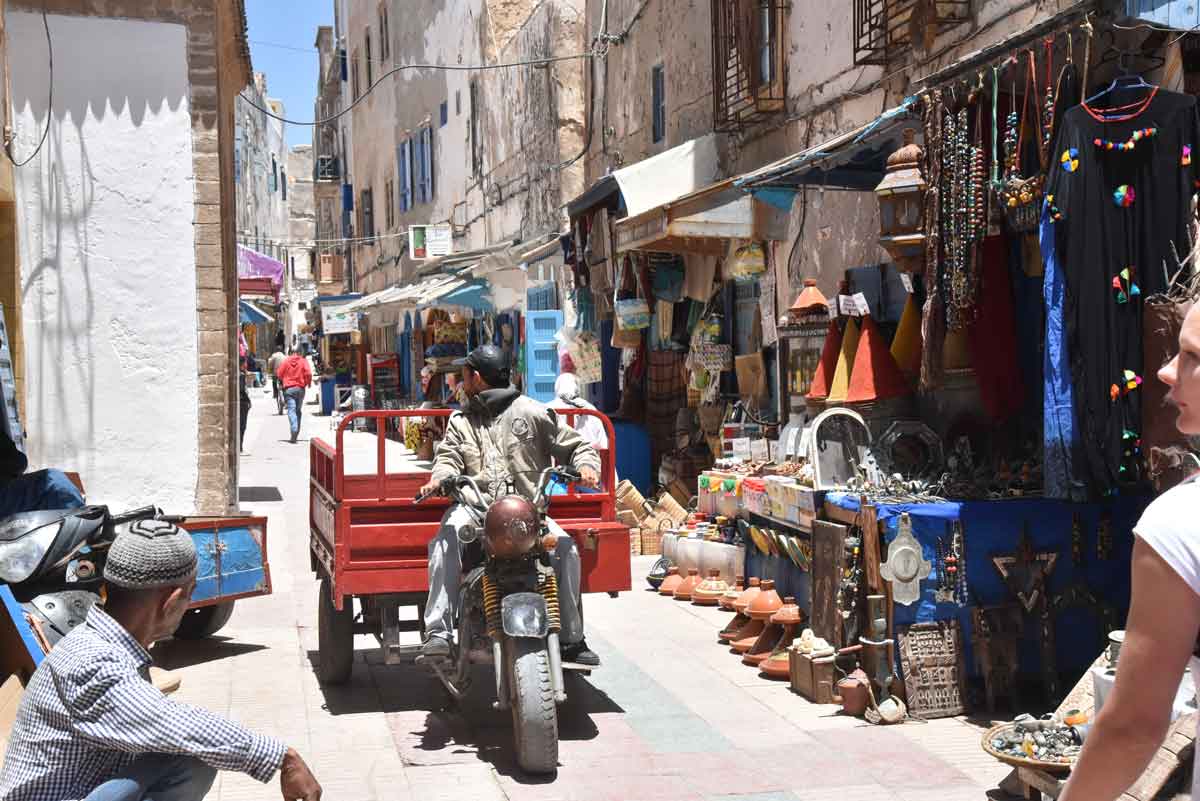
(541, 354)
(347, 197)
(418, 170)
(405, 173)
(344, 61)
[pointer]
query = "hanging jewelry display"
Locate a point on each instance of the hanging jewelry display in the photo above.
(1048, 106)
(1021, 196)
(963, 215)
(848, 587)
(1104, 543)
(1079, 595)
(958, 552)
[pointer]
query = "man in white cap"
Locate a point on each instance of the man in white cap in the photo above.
(91, 726)
(566, 392)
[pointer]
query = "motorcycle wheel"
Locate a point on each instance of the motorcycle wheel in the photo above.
(534, 713)
(335, 638)
(204, 622)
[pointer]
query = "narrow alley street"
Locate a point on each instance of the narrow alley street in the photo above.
(643, 727)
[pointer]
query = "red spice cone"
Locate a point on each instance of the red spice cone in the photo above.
(876, 375)
(819, 388)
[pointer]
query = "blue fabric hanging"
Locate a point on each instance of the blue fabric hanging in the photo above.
(1060, 438)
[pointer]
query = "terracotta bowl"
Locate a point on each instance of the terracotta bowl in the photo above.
(710, 591)
(685, 589)
(671, 582)
(766, 603)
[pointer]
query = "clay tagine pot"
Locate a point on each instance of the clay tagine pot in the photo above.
(776, 664)
(710, 591)
(671, 582)
(686, 587)
(739, 606)
(732, 594)
(779, 632)
(760, 610)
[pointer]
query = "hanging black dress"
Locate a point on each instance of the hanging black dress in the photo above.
(1119, 191)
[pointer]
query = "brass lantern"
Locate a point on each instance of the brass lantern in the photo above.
(901, 196)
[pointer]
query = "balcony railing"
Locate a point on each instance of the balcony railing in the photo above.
(885, 30)
(327, 168)
(749, 64)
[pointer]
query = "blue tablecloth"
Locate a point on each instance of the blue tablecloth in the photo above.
(992, 528)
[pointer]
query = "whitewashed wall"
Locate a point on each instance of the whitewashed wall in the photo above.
(104, 218)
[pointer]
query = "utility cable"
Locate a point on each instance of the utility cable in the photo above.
(8, 143)
(402, 68)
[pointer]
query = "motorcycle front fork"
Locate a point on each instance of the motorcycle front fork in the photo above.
(557, 683)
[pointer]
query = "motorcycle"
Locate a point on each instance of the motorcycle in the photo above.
(509, 614)
(53, 561)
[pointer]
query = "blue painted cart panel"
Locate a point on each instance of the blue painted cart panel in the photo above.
(1181, 14)
(233, 559)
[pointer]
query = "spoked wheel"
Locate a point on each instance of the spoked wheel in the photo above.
(534, 713)
(335, 637)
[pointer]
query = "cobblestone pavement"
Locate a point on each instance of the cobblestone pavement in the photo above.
(670, 716)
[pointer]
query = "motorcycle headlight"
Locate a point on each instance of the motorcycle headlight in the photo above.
(510, 529)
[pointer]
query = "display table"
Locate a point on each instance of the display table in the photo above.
(994, 528)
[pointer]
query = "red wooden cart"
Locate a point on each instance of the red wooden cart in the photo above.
(369, 539)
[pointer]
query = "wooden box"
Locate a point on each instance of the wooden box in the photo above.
(813, 679)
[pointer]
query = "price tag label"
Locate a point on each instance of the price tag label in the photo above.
(760, 450)
(833, 307)
(906, 279)
(847, 306)
(741, 448)
(860, 304)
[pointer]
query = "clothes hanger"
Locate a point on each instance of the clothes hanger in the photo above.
(1126, 80)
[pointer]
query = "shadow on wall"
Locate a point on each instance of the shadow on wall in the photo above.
(105, 220)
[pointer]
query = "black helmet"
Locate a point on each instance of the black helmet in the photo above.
(489, 362)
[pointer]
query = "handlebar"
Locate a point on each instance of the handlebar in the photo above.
(454, 484)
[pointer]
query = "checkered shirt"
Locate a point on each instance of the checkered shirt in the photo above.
(90, 710)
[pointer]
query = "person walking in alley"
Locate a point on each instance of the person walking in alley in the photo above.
(294, 376)
(273, 364)
(245, 405)
(1161, 636)
(91, 726)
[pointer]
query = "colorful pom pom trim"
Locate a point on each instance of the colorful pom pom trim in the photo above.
(1124, 286)
(1124, 196)
(1186, 159)
(1070, 159)
(1052, 210)
(1130, 382)
(1128, 144)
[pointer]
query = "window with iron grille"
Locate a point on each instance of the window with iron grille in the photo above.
(367, 209)
(885, 30)
(385, 34)
(389, 190)
(658, 103)
(367, 54)
(355, 87)
(749, 67)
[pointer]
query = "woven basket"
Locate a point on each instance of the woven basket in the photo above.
(630, 500)
(670, 508)
(1020, 762)
(651, 541)
(635, 542)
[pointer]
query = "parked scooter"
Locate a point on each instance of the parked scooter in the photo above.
(509, 615)
(53, 561)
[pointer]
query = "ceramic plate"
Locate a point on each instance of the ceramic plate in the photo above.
(760, 540)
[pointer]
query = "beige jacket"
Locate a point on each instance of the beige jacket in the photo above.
(503, 434)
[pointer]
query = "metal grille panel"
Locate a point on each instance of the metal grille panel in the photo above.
(749, 68)
(885, 30)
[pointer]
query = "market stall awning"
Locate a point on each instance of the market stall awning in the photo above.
(701, 222)
(654, 181)
(249, 314)
(855, 160)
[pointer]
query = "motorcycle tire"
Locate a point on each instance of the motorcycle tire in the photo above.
(534, 712)
(335, 637)
(204, 622)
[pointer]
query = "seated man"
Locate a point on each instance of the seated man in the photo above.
(31, 492)
(91, 726)
(503, 436)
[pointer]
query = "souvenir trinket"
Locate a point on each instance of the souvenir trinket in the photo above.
(1025, 571)
(906, 565)
(1042, 740)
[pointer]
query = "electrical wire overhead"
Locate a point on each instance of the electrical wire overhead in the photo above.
(403, 67)
(49, 100)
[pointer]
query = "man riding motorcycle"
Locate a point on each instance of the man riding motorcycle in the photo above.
(502, 437)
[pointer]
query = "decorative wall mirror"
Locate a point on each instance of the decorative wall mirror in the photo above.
(839, 445)
(910, 448)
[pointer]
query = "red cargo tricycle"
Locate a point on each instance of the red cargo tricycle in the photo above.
(369, 540)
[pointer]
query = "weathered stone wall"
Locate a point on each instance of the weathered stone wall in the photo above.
(217, 68)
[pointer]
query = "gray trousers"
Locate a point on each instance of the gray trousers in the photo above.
(445, 575)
